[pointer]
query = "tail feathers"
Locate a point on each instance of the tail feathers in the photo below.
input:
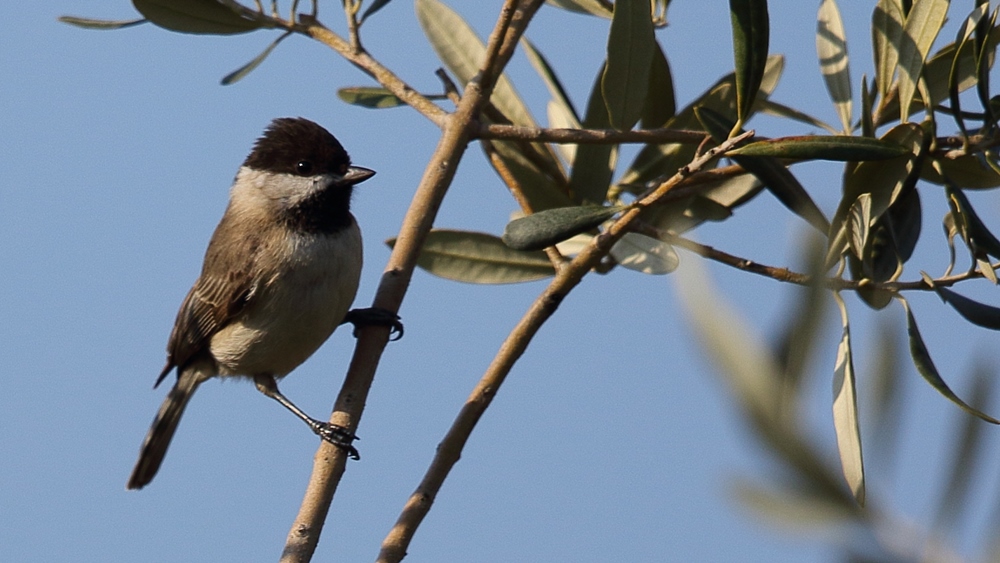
(154, 447)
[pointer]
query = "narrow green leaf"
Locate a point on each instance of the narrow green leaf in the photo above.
(961, 40)
(644, 254)
(746, 363)
(660, 104)
(984, 60)
(859, 224)
(884, 180)
(679, 216)
(845, 411)
(479, 258)
(630, 53)
(750, 45)
(889, 242)
(919, 32)
(540, 189)
(545, 228)
(823, 147)
(654, 161)
(796, 508)
(775, 176)
(548, 75)
(973, 311)
(887, 34)
(375, 6)
(937, 71)
(950, 232)
(884, 390)
(905, 217)
(592, 7)
(925, 366)
(986, 269)
(969, 446)
(867, 107)
(708, 209)
(594, 165)
(194, 16)
(980, 240)
(89, 23)
(369, 97)
(460, 49)
(750, 369)
(970, 171)
(243, 71)
(805, 317)
(777, 109)
(831, 46)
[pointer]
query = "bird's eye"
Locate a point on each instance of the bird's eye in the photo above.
(304, 167)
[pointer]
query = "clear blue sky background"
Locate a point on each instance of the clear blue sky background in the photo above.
(613, 439)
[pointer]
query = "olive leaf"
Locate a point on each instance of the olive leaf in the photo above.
(831, 47)
(479, 258)
(925, 365)
(750, 44)
(823, 147)
(195, 16)
(973, 311)
(243, 71)
(545, 228)
(369, 97)
(774, 175)
(845, 411)
(625, 80)
(90, 23)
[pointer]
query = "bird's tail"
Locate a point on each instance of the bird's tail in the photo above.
(154, 447)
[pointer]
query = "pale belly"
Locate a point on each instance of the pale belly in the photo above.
(295, 311)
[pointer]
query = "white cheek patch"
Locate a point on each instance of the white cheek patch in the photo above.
(287, 188)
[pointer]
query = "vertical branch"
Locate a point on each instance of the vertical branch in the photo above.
(458, 128)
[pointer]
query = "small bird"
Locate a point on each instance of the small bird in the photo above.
(280, 274)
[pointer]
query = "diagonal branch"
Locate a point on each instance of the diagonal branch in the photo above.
(590, 136)
(545, 305)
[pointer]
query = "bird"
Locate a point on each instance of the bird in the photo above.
(279, 275)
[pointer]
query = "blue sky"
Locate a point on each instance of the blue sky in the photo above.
(613, 439)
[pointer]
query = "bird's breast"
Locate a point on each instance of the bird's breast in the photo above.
(296, 303)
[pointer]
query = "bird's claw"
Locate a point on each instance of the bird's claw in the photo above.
(338, 436)
(375, 316)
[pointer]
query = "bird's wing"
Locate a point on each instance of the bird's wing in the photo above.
(223, 290)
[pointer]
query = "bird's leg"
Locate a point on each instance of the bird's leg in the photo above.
(375, 316)
(336, 435)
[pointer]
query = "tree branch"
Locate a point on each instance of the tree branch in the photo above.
(545, 305)
(329, 461)
(589, 136)
(788, 276)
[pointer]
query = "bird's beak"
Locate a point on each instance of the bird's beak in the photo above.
(356, 175)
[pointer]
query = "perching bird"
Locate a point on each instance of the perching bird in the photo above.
(280, 274)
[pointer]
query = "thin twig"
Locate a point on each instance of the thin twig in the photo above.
(351, 8)
(450, 448)
(788, 276)
(360, 58)
(589, 136)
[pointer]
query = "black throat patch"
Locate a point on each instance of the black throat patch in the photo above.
(327, 211)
